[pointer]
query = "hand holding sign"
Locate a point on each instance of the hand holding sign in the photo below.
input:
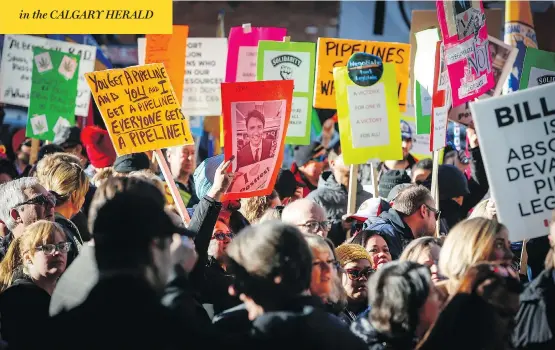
(222, 180)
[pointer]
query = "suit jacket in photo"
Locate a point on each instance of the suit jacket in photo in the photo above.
(245, 156)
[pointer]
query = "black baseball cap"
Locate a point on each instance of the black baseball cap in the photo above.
(131, 162)
(286, 184)
(303, 154)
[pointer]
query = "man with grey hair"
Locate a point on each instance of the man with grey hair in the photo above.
(308, 216)
(183, 161)
(23, 202)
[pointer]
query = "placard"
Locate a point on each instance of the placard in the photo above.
(538, 68)
(256, 117)
(333, 52)
(346, 91)
(441, 102)
(169, 49)
(464, 32)
(139, 108)
(424, 78)
(53, 92)
(243, 47)
(517, 144)
(17, 65)
(420, 143)
(291, 61)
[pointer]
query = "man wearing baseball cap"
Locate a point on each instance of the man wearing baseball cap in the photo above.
(309, 163)
(408, 160)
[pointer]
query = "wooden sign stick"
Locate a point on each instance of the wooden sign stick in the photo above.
(35, 145)
(171, 184)
(435, 186)
(352, 196)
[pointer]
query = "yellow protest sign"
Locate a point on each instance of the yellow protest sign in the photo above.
(333, 52)
(347, 91)
(139, 108)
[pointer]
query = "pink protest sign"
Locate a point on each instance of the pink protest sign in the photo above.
(465, 36)
(242, 50)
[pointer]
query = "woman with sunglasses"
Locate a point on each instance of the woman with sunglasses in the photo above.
(356, 269)
(28, 276)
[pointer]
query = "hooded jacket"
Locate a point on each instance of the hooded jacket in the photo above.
(392, 225)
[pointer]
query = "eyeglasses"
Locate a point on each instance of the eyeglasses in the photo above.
(222, 236)
(436, 212)
(315, 226)
(356, 274)
(49, 249)
(324, 264)
(320, 158)
(42, 199)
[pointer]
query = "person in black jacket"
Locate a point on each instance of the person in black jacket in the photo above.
(28, 275)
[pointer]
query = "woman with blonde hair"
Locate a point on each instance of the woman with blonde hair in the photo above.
(28, 276)
(253, 208)
(62, 173)
(469, 242)
(425, 251)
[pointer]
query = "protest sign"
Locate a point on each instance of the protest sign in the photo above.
(17, 65)
(464, 32)
(518, 147)
(291, 61)
(420, 143)
(502, 58)
(256, 117)
(368, 115)
(424, 78)
(205, 71)
(139, 108)
(243, 47)
(538, 68)
(441, 101)
(170, 50)
(333, 52)
(53, 92)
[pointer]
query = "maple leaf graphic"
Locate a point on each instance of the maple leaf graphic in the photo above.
(67, 66)
(40, 127)
(43, 63)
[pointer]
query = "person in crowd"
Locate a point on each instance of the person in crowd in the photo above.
(484, 209)
(412, 215)
(127, 296)
(21, 146)
(408, 160)
(7, 171)
(253, 208)
(99, 148)
(273, 267)
(28, 275)
(390, 179)
(309, 163)
(376, 245)
(128, 163)
(183, 161)
(287, 187)
(481, 314)
(369, 211)
(356, 265)
(272, 214)
(469, 242)
(62, 174)
(43, 152)
(458, 159)
(307, 216)
(332, 195)
(422, 170)
(69, 139)
(535, 320)
(425, 251)
(404, 304)
(24, 201)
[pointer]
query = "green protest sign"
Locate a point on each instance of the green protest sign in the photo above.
(538, 68)
(53, 93)
(291, 61)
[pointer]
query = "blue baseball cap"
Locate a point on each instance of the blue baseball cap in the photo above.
(406, 131)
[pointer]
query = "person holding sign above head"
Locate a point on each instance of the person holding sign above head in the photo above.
(257, 148)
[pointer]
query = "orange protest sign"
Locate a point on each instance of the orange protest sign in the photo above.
(169, 49)
(333, 52)
(139, 108)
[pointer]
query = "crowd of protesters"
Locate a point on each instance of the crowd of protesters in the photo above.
(93, 257)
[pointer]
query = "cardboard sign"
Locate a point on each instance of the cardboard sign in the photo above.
(538, 68)
(420, 143)
(169, 49)
(516, 140)
(17, 65)
(333, 52)
(424, 78)
(205, 71)
(362, 113)
(291, 61)
(502, 58)
(464, 32)
(243, 47)
(53, 93)
(139, 108)
(256, 117)
(441, 100)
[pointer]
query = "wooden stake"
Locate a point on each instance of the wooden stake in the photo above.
(374, 175)
(286, 39)
(352, 196)
(35, 145)
(172, 186)
(435, 185)
(524, 259)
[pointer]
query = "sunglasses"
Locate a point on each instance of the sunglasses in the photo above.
(49, 249)
(356, 274)
(436, 212)
(42, 199)
(222, 236)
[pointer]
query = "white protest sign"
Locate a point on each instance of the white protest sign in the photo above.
(205, 71)
(517, 141)
(440, 127)
(141, 50)
(17, 65)
(424, 65)
(368, 113)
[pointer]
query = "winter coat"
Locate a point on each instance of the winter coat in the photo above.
(392, 225)
(73, 236)
(374, 340)
(535, 321)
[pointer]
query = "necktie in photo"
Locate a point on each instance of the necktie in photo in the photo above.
(256, 155)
